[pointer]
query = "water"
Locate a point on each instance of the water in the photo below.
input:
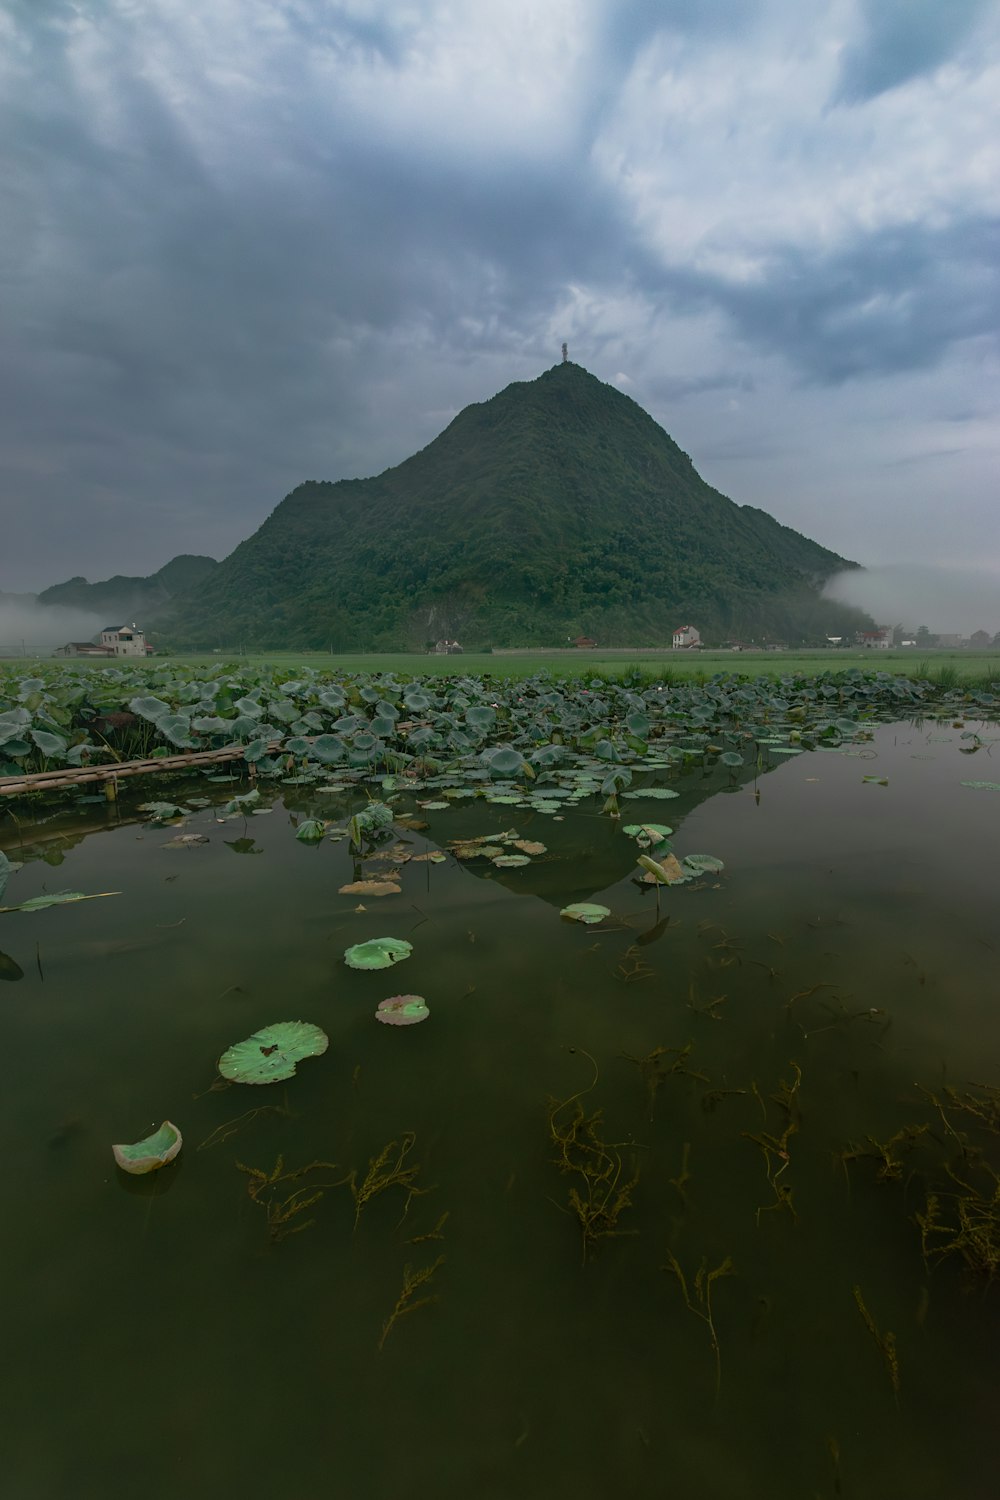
(158, 1341)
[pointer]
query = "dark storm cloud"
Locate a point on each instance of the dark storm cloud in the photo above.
(895, 300)
(249, 244)
(903, 39)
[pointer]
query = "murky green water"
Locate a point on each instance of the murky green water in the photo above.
(159, 1341)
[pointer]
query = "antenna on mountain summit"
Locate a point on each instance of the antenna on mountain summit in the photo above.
(565, 358)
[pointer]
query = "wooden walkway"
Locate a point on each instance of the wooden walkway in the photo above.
(111, 773)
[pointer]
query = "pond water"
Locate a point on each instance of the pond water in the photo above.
(751, 1048)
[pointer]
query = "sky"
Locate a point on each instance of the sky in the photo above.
(246, 243)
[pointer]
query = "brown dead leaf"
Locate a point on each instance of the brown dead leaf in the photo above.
(529, 846)
(671, 868)
(371, 888)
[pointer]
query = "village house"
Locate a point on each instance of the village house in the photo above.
(447, 648)
(82, 648)
(125, 640)
(583, 642)
(686, 637)
(877, 640)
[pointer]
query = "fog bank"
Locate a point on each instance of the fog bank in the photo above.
(31, 629)
(946, 600)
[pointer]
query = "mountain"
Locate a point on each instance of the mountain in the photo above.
(120, 599)
(557, 508)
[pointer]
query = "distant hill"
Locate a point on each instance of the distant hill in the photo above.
(557, 508)
(121, 599)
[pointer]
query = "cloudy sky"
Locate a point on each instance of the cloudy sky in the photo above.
(245, 243)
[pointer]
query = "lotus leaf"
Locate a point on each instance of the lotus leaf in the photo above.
(377, 953)
(9, 969)
(311, 831)
(159, 812)
(703, 864)
(987, 786)
(402, 1010)
(6, 870)
(663, 793)
(585, 911)
(152, 1153)
(273, 1052)
(666, 871)
(59, 898)
(186, 841)
(529, 846)
(510, 861)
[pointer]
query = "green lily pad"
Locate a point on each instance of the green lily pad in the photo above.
(585, 911)
(510, 861)
(662, 792)
(311, 831)
(58, 898)
(377, 953)
(402, 1010)
(273, 1052)
(152, 1153)
(987, 786)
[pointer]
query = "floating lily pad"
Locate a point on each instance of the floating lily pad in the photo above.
(152, 1153)
(529, 846)
(273, 1052)
(434, 857)
(661, 792)
(986, 786)
(434, 806)
(370, 888)
(402, 1010)
(186, 841)
(377, 953)
(703, 864)
(585, 911)
(510, 861)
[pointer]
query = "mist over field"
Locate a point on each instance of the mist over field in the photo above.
(32, 629)
(946, 600)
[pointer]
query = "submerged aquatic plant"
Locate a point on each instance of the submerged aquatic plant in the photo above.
(387, 1170)
(283, 1212)
(601, 1192)
(407, 1301)
(701, 1303)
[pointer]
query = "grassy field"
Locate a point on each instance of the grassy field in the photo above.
(949, 668)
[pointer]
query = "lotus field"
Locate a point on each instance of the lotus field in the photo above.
(666, 1155)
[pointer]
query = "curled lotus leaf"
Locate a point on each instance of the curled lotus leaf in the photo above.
(585, 911)
(666, 871)
(402, 1010)
(273, 1052)
(311, 831)
(150, 1154)
(377, 953)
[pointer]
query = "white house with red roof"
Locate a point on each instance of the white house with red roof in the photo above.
(686, 636)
